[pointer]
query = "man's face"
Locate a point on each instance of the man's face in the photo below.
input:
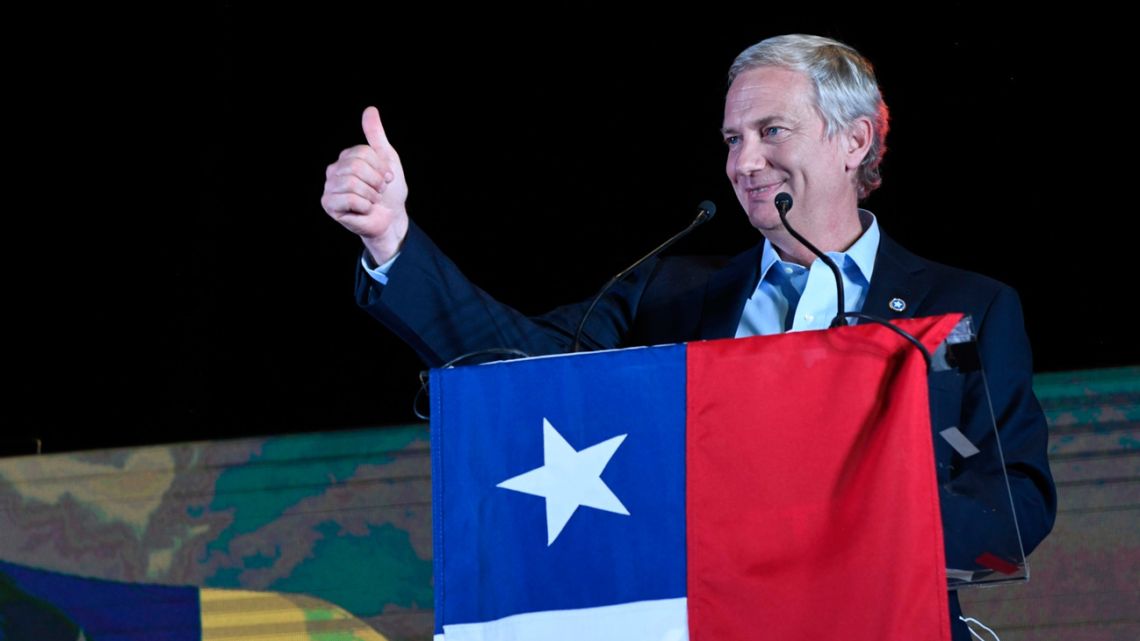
(777, 142)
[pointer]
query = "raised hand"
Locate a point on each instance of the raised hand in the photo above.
(365, 191)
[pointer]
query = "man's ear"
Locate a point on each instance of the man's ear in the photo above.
(857, 142)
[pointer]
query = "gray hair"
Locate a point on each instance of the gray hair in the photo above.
(845, 89)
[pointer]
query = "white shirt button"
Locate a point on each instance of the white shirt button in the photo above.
(809, 318)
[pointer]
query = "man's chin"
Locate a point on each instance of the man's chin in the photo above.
(766, 221)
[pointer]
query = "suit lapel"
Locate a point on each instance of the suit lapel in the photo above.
(728, 290)
(899, 284)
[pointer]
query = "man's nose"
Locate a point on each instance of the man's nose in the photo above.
(751, 158)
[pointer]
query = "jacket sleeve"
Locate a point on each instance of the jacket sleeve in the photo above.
(432, 306)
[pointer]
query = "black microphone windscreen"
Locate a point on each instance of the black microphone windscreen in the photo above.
(783, 201)
(705, 211)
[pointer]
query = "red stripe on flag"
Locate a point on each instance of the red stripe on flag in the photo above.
(812, 503)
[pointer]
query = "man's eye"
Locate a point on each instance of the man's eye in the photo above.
(772, 131)
(731, 140)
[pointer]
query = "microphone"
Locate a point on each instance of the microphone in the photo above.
(705, 211)
(783, 204)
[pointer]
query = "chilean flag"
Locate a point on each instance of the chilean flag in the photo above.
(777, 487)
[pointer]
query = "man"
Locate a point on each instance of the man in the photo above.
(803, 115)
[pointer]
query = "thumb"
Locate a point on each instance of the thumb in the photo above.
(373, 130)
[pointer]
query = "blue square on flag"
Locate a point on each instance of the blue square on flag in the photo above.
(559, 495)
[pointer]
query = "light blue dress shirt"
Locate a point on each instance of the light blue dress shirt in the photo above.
(792, 298)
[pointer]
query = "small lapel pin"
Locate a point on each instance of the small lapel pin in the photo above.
(897, 304)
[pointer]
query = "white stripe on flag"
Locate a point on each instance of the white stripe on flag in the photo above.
(660, 620)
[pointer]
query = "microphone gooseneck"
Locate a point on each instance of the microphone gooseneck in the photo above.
(706, 210)
(783, 203)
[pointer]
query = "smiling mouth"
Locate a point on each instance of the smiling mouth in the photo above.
(763, 191)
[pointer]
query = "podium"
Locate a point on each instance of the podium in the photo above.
(783, 487)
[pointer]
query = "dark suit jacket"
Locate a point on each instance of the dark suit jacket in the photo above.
(430, 304)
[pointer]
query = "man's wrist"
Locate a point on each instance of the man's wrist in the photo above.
(383, 248)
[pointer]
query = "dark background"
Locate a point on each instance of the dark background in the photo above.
(171, 275)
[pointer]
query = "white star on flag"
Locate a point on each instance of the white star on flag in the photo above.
(569, 479)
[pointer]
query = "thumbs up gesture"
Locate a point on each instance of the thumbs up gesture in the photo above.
(365, 191)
